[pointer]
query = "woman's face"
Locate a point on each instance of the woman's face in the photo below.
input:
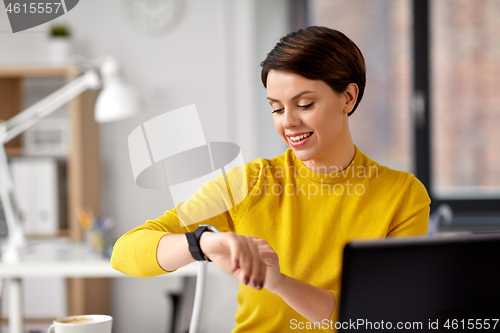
(309, 116)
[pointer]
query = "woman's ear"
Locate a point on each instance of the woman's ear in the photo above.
(351, 96)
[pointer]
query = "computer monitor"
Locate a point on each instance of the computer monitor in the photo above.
(421, 284)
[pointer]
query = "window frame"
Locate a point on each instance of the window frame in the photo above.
(422, 70)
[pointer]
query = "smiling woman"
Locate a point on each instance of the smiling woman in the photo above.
(284, 240)
(321, 71)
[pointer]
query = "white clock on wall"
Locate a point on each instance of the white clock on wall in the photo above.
(153, 17)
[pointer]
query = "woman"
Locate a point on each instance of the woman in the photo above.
(284, 240)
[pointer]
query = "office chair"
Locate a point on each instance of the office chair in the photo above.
(443, 213)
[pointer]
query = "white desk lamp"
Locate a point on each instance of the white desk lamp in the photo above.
(116, 101)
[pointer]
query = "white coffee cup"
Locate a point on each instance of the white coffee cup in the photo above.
(82, 324)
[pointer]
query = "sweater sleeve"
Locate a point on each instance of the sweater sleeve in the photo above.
(214, 203)
(412, 218)
(134, 253)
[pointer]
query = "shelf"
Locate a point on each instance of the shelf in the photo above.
(59, 234)
(21, 71)
(18, 152)
(14, 152)
(4, 320)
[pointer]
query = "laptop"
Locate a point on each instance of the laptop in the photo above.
(424, 284)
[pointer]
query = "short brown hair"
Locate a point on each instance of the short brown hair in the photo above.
(319, 53)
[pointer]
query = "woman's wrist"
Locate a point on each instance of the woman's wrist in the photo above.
(203, 243)
(281, 286)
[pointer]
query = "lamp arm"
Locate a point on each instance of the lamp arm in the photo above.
(16, 237)
(29, 117)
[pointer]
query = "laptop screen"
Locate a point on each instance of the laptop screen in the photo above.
(421, 284)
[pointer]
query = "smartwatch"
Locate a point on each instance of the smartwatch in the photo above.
(193, 239)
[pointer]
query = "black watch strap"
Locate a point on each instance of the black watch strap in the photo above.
(193, 239)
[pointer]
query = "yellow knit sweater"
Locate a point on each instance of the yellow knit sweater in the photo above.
(306, 217)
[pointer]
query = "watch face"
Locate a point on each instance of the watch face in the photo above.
(153, 17)
(209, 227)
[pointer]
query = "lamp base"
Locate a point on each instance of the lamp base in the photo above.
(12, 251)
(11, 255)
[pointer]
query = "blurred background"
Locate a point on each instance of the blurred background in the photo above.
(431, 104)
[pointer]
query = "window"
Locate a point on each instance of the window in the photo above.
(465, 85)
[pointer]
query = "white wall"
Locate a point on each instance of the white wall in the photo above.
(210, 58)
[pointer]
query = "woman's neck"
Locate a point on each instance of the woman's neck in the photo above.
(337, 158)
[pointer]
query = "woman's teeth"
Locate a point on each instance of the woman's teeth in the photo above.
(300, 137)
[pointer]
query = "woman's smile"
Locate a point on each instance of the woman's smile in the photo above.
(299, 139)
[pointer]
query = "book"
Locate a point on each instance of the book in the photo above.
(37, 192)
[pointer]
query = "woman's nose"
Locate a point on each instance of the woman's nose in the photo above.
(290, 119)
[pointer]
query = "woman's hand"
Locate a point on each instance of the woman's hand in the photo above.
(236, 255)
(274, 277)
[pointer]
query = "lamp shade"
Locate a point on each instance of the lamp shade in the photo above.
(117, 100)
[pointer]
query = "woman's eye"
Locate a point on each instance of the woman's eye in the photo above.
(279, 110)
(305, 107)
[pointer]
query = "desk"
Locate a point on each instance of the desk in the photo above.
(59, 258)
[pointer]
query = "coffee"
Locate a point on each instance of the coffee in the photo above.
(82, 324)
(76, 320)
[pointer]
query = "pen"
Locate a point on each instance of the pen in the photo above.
(84, 219)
